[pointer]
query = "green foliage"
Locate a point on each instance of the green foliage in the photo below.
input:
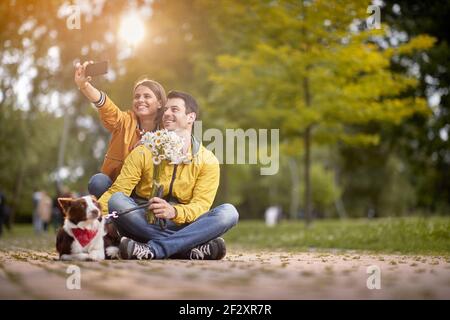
(304, 67)
(423, 143)
(246, 62)
(375, 181)
(349, 76)
(325, 191)
(28, 153)
(38, 53)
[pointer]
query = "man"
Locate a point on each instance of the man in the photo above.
(192, 228)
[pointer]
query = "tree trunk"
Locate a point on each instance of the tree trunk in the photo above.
(17, 193)
(295, 201)
(62, 150)
(339, 203)
(307, 141)
(307, 173)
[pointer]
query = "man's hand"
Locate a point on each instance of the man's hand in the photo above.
(162, 208)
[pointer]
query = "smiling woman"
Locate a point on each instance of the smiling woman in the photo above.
(126, 127)
(132, 28)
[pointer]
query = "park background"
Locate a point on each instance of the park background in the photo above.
(362, 109)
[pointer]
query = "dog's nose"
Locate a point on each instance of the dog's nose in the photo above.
(95, 212)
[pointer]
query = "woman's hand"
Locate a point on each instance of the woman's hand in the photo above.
(162, 209)
(83, 82)
(80, 77)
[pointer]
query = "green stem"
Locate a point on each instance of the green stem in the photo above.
(156, 183)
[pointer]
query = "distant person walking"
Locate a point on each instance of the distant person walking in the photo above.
(45, 210)
(272, 215)
(2, 211)
(42, 211)
(37, 224)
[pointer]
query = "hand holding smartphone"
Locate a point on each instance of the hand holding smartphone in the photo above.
(96, 69)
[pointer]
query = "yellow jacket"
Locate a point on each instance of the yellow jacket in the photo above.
(194, 185)
(124, 128)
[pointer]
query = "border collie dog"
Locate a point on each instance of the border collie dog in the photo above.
(84, 235)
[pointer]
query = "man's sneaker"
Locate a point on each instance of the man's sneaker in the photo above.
(130, 249)
(212, 250)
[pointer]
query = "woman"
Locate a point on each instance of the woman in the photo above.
(126, 127)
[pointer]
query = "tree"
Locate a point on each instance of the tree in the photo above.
(306, 68)
(423, 142)
(38, 51)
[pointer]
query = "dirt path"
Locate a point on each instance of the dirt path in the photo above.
(26, 274)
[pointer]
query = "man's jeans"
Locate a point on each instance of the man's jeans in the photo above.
(175, 238)
(99, 184)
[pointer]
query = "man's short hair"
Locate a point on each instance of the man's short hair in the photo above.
(189, 101)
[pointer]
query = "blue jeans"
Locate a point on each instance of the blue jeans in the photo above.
(175, 238)
(99, 184)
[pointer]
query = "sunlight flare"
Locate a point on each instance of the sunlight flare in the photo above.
(132, 29)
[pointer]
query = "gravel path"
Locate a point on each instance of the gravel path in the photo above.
(28, 274)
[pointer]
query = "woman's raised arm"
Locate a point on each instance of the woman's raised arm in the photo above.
(90, 92)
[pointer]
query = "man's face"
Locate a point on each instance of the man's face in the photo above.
(175, 117)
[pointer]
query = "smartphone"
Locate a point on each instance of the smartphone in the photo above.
(96, 69)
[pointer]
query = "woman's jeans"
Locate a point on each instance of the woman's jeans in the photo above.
(175, 238)
(99, 184)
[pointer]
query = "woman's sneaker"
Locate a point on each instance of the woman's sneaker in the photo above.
(130, 249)
(214, 249)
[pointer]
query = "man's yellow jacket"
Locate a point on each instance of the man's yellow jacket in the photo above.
(194, 185)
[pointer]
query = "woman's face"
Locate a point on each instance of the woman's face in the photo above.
(145, 102)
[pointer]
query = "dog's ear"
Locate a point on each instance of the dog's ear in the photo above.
(95, 200)
(64, 204)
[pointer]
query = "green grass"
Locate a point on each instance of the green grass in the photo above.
(23, 236)
(412, 235)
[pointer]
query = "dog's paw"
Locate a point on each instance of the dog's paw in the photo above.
(112, 252)
(96, 255)
(66, 257)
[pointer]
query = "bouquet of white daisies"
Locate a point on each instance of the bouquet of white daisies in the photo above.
(166, 148)
(164, 145)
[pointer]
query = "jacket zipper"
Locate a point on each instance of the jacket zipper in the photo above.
(171, 182)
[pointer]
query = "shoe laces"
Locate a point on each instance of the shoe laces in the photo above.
(198, 253)
(142, 251)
